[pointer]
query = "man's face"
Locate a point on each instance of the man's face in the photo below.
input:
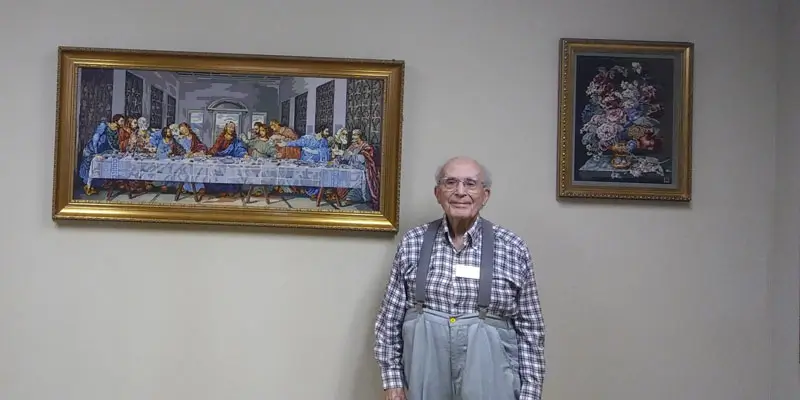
(273, 126)
(461, 192)
(134, 124)
(183, 130)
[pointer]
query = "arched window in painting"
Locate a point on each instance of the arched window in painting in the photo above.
(225, 110)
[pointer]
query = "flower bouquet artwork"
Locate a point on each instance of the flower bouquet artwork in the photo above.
(624, 126)
(620, 123)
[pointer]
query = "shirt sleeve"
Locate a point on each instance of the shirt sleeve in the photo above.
(389, 324)
(530, 329)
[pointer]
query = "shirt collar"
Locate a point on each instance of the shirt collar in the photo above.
(471, 235)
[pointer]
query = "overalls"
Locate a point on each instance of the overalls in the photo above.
(472, 356)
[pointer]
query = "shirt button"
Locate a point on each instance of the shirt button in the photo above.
(452, 320)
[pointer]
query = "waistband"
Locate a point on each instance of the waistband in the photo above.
(439, 317)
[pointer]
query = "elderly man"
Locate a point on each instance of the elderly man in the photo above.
(461, 318)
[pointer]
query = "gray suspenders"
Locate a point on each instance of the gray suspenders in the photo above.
(487, 265)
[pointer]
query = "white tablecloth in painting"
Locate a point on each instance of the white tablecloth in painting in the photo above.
(227, 170)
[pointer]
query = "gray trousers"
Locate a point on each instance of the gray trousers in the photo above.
(460, 357)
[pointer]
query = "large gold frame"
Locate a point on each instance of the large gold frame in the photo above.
(682, 190)
(64, 207)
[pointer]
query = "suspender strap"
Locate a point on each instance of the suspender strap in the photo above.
(487, 265)
(424, 263)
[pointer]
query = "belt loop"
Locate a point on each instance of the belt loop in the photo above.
(482, 312)
(419, 306)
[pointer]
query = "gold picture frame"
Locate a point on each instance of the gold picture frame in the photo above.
(152, 136)
(625, 119)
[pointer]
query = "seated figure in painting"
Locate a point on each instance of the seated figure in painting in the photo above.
(260, 145)
(193, 146)
(105, 139)
(361, 155)
(190, 141)
(168, 147)
(126, 132)
(313, 149)
(281, 134)
(228, 144)
(254, 130)
(337, 143)
(284, 134)
(142, 141)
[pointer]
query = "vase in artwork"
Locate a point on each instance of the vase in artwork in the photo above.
(620, 155)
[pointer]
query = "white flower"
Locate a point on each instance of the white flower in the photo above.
(629, 103)
(608, 131)
(630, 94)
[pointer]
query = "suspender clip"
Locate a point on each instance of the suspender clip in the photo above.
(419, 306)
(482, 311)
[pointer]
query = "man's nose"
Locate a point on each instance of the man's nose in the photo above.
(461, 189)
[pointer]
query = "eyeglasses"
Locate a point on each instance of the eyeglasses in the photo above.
(469, 184)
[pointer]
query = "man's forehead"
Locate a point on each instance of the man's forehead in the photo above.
(462, 169)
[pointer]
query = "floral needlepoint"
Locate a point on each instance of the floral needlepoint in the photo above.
(625, 125)
(622, 117)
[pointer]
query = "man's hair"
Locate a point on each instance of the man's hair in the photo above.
(485, 173)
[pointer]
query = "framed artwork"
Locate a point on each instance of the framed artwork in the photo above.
(156, 136)
(624, 127)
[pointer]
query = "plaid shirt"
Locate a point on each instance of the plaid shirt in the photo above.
(514, 295)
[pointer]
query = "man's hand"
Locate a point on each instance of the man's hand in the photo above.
(395, 394)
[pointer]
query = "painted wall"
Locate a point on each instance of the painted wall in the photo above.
(784, 260)
(642, 301)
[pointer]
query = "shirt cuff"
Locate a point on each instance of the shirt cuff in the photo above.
(392, 378)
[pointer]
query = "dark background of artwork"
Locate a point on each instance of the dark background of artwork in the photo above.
(661, 72)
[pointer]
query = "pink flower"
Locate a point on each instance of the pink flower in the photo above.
(615, 115)
(611, 101)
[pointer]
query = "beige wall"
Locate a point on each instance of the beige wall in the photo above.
(784, 278)
(642, 301)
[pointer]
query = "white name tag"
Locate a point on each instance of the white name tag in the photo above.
(467, 271)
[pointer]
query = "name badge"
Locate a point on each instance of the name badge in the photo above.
(468, 271)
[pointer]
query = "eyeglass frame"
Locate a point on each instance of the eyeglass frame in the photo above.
(479, 184)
